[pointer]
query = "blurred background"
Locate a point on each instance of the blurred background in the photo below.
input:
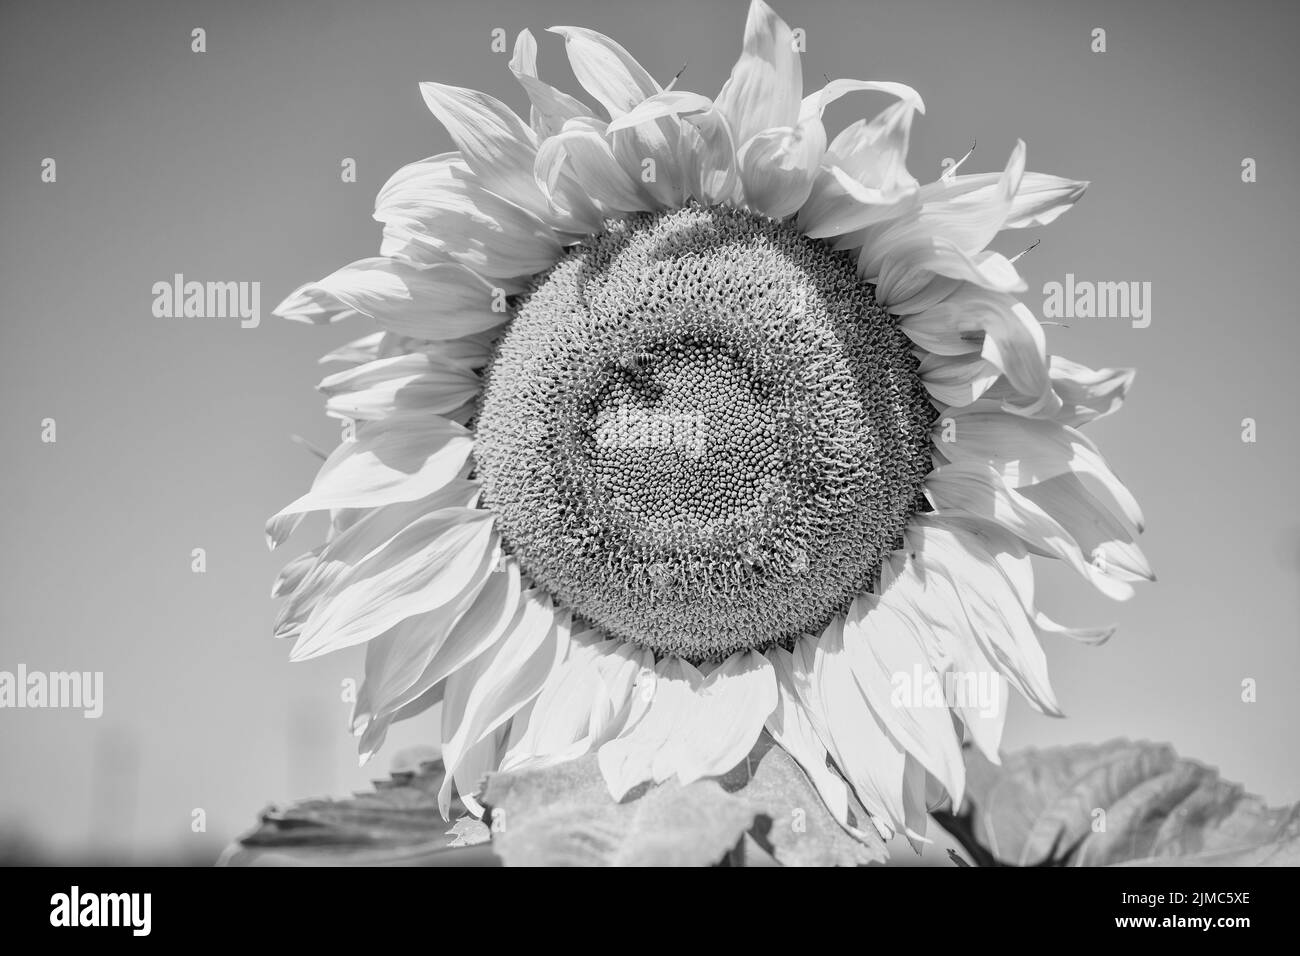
(224, 165)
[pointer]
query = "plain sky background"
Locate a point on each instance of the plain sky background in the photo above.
(173, 434)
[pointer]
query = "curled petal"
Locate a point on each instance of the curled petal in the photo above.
(497, 146)
(668, 103)
(420, 184)
(551, 108)
(1111, 547)
(792, 728)
(1002, 330)
(587, 702)
(403, 383)
(1026, 451)
(500, 151)
(888, 784)
(433, 562)
(766, 84)
(585, 153)
(469, 352)
(440, 301)
(936, 608)
(390, 698)
(777, 167)
(710, 166)
(555, 727)
(1087, 395)
(1012, 556)
(956, 380)
(396, 658)
(402, 458)
(650, 153)
(348, 545)
(293, 573)
(706, 142)
(368, 348)
(607, 71)
(1014, 342)
(647, 747)
(312, 304)
(967, 223)
(976, 488)
(991, 604)
(1038, 201)
(1084, 635)
(727, 715)
(910, 270)
(864, 178)
(494, 238)
(973, 224)
(839, 204)
(884, 645)
(617, 701)
(481, 696)
(832, 91)
(437, 211)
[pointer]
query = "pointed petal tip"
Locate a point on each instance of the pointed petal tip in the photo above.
(914, 838)
(291, 304)
(305, 650)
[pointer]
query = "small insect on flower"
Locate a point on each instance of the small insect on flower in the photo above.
(755, 436)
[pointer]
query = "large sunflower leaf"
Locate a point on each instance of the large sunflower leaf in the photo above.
(398, 824)
(565, 815)
(1136, 804)
(792, 822)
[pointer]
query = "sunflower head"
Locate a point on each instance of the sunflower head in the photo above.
(648, 464)
(701, 432)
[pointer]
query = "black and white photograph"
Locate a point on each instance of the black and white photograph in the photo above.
(651, 433)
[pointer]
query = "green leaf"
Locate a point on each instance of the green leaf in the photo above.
(564, 816)
(399, 824)
(469, 832)
(1120, 802)
(792, 823)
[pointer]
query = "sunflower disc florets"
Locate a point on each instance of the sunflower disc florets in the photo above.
(701, 432)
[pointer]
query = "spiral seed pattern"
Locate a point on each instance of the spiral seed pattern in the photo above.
(700, 432)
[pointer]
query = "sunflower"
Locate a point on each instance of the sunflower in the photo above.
(688, 423)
